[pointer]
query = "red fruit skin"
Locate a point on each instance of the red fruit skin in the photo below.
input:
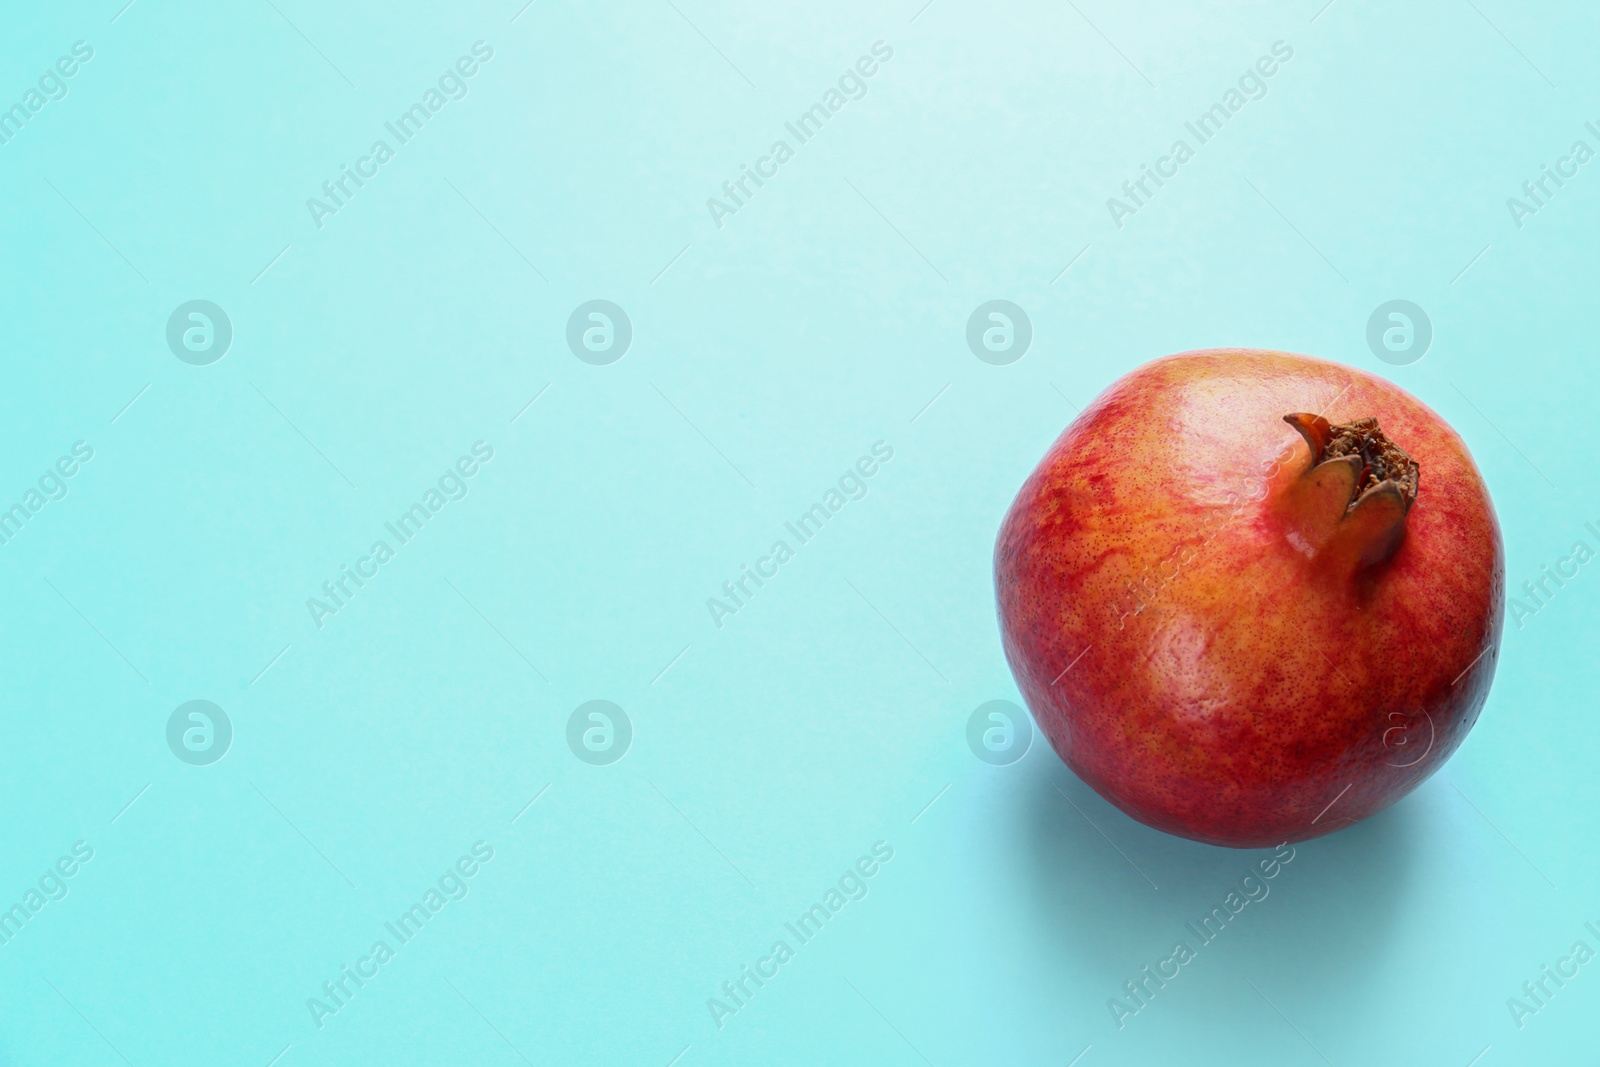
(1194, 666)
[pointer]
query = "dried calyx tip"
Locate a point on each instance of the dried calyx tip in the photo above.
(1384, 466)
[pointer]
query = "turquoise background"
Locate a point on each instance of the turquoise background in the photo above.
(768, 354)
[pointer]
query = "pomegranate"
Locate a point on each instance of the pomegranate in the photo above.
(1252, 597)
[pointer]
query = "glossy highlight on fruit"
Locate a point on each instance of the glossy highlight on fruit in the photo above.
(1252, 597)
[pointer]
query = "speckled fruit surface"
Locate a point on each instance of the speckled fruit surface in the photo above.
(1235, 611)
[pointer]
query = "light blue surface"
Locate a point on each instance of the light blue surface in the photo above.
(827, 313)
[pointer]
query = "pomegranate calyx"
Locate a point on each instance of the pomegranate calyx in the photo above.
(1315, 429)
(1355, 492)
(1382, 461)
(1376, 523)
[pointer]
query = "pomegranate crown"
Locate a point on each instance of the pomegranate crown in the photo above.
(1354, 495)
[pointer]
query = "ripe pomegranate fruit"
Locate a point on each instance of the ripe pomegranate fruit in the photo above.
(1252, 597)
